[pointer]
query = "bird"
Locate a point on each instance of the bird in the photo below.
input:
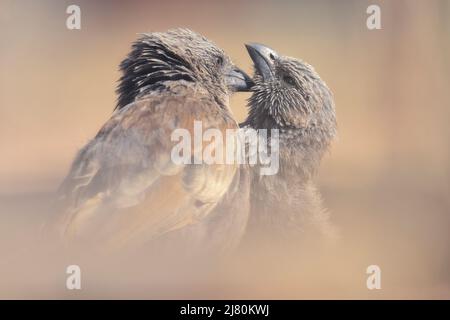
(123, 189)
(290, 97)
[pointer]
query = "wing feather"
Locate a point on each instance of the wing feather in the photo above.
(123, 186)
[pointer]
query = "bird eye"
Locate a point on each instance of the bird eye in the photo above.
(219, 61)
(289, 80)
(271, 56)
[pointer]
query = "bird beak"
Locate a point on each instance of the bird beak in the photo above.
(263, 58)
(238, 80)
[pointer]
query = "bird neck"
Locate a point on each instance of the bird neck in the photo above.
(300, 149)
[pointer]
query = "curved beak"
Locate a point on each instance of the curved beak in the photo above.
(263, 58)
(238, 80)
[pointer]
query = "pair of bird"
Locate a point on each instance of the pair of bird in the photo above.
(123, 189)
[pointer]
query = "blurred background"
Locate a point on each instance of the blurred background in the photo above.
(386, 180)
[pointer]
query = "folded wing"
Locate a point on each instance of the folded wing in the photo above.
(123, 187)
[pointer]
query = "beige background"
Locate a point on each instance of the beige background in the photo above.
(386, 179)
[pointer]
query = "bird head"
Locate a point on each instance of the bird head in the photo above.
(289, 91)
(289, 95)
(158, 59)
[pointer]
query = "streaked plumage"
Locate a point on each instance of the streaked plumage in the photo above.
(289, 95)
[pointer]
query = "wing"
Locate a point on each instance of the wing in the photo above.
(123, 186)
(221, 231)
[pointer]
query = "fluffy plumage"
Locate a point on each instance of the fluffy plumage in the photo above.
(289, 96)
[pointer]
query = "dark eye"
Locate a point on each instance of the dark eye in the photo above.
(289, 80)
(219, 61)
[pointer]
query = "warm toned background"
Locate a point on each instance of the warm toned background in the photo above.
(386, 180)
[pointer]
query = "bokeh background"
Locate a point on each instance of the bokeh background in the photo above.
(385, 181)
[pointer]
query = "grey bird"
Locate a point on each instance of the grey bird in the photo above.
(123, 189)
(289, 95)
